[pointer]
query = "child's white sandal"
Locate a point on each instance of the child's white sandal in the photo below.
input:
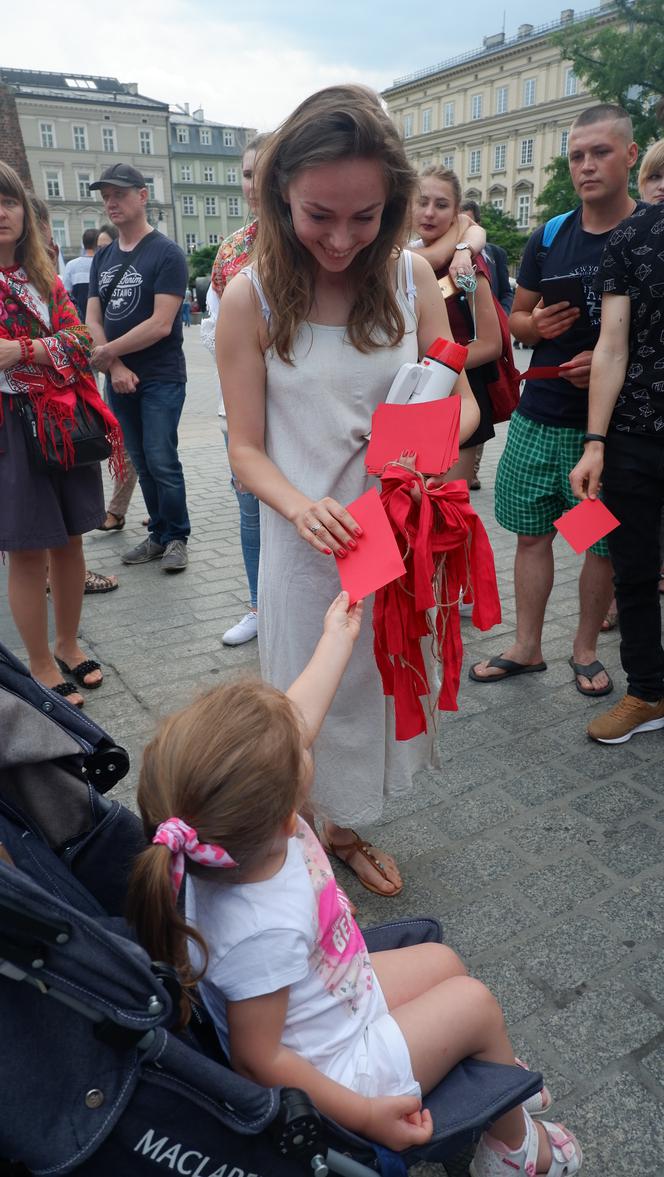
(493, 1159)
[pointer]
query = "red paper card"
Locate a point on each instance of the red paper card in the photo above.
(376, 560)
(585, 524)
(430, 429)
(541, 374)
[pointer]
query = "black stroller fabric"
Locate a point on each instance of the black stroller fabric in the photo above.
(92, 1080)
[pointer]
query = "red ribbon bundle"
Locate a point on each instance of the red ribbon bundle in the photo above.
(446, 551)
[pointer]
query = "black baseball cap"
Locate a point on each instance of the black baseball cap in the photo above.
(123, 175)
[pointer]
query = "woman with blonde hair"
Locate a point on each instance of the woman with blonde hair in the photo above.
(44, 356)
(309, 340)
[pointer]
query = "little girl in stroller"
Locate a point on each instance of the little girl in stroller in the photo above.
(270, 940)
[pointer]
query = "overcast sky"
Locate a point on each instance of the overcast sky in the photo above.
(251, 61)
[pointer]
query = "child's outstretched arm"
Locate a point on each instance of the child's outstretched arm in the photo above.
(313, 692)
(255, 1027)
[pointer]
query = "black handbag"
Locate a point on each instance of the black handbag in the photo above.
(88, 435)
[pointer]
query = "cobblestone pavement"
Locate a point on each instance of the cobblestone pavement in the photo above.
(540, 851)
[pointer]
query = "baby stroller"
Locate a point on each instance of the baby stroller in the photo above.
(94, 1081)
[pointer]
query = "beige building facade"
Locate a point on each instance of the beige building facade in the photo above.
(206, 178)
(496, 116)
(73, 127)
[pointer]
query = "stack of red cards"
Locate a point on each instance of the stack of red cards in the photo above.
(430, 430)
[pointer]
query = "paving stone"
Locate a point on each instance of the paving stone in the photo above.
(648, 973)
(630, 851)
(565, 884)
(611, 802)
(600, 1027)
(541, 783)
(654, 1064)
(638, 910)
(464, 871)
(477, 926)
(572, 952)
(620, 1126)
(517, 996)
(551, 832)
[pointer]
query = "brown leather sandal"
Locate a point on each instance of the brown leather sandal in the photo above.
(345, 851)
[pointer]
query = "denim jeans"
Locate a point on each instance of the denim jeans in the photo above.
(149, 418)
(633, 482)
(250, 533)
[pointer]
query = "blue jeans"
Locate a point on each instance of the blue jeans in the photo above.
(250, 533)
(149, 418)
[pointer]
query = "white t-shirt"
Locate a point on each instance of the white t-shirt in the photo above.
(294, 930)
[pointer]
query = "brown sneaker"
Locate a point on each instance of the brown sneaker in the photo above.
(629, 716)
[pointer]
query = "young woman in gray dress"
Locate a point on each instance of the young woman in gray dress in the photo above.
(309, 340)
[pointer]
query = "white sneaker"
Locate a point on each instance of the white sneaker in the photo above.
(243, 631)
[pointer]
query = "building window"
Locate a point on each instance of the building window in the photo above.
(182, 134)
(501, 100)
(498, 202)
(475, 162)
(233, 206)
(408, 126)
(228, 138)
(189, 206)
(208, 175)
(145, 142)
(47, 134)
(426, 121)
(84, 179)
(231, 175)
(211, 206)
(448, 162)
(213, 238)
(529, 92)
(526, 156)
(88, 223)
(81, 83)
(185, 173)
(205, 136)
(189, 242)
(448, 114)
(570, 82)
(108, 139)
(80, 137)
(53, 185)
(59, 231)
(523, 210)
(499, 157)
(476, 106)
(149, 184)
(564, 138)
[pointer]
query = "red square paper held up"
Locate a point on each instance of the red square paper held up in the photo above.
(585, 524)
(430, 429)
(376, 560)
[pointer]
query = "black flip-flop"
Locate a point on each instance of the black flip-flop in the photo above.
(79, 672)
(511, 670)
(589, 671)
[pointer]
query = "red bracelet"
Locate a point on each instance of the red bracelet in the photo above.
(24, 350)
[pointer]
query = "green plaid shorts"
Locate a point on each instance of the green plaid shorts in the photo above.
(532, 482)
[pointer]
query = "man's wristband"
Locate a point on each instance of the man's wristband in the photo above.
(594, 437)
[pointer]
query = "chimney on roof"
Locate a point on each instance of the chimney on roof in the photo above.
(567, 16)
(493, 40)
(199, 115)
(131, 87)
(185, 107)
(524, 31)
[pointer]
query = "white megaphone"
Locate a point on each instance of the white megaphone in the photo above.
(433, 378)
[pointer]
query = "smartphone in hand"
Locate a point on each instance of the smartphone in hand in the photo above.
(567, 288)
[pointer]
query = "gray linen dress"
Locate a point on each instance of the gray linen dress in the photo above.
(317, 415)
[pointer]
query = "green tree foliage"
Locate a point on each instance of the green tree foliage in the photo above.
(557, 195)
(623, 62)
(501, 229)
(200, 261)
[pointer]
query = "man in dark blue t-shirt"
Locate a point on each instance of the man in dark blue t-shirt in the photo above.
(137, 284)
(545, 436)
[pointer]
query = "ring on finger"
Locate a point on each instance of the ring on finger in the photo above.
(315, 527)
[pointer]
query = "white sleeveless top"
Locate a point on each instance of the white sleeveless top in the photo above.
(317, 414)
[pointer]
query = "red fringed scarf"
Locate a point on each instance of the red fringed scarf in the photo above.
(446, 551)
(53, 391)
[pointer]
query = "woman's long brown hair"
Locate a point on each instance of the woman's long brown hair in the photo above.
(30, 251)
(341, 122)
(230, 766)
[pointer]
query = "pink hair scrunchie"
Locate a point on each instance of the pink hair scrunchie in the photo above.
(182, 839)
